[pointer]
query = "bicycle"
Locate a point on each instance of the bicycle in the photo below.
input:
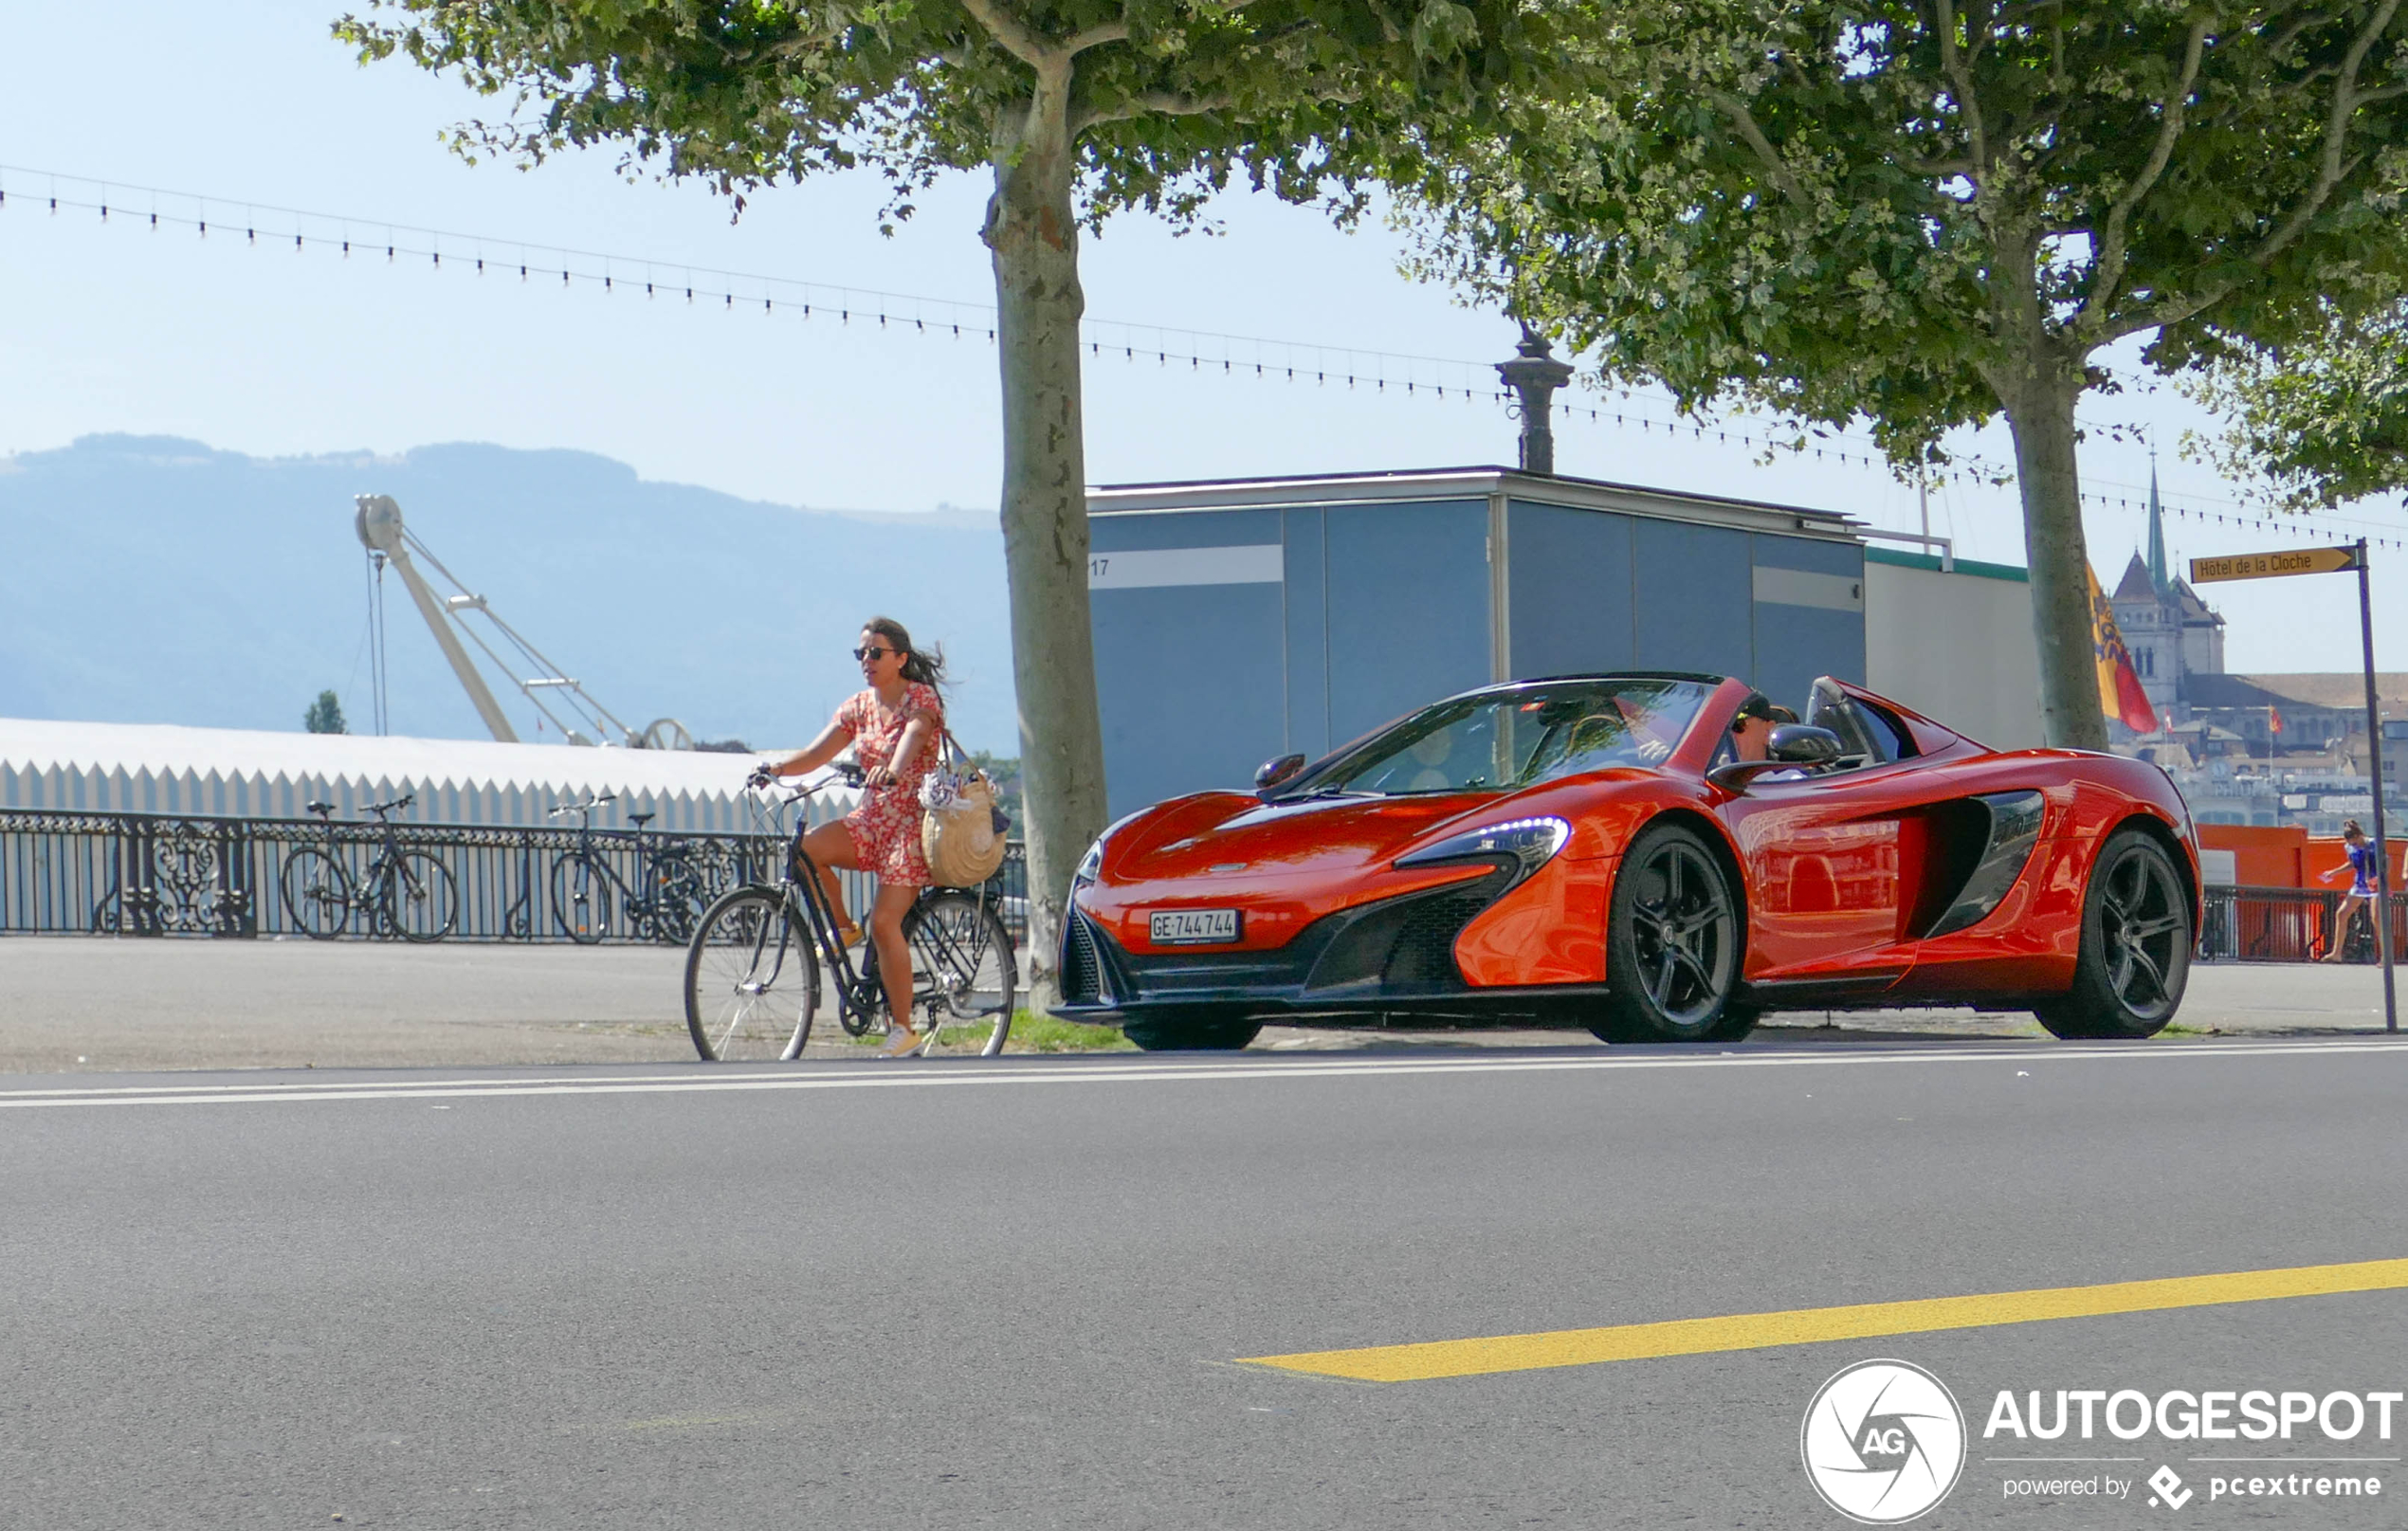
(406, 893)
(661, 907)
(753, 967)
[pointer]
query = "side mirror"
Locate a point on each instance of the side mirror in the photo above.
(1804, 744)
(1790, 745)
(1275, 771)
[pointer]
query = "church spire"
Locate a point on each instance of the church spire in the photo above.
(2159, 575)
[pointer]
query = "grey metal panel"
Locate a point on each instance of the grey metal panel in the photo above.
(1408, 607)
(1189, 680)
(1570, 585)
(1187, 529)
(1308, 634)
(1796, 643)
(1693, 591)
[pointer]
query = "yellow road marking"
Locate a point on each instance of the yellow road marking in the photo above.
(1806, 1326)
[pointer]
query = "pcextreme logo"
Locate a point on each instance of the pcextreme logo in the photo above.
(1883, 1442)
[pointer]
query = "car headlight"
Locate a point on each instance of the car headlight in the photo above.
(1523, 844)
(1090, 865)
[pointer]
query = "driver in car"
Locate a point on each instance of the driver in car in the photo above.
(1752, 729)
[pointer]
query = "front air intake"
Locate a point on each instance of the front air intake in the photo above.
(1082, 969)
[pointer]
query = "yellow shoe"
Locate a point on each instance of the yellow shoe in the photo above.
(848, 936)
(902, 1041)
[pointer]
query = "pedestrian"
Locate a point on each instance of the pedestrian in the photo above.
(2365, 878)
(892, 726)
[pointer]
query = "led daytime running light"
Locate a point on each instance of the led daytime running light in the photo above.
(1529, 844)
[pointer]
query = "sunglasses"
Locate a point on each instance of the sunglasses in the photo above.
(874, 654)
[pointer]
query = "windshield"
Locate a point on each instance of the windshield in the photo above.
(1504, 739)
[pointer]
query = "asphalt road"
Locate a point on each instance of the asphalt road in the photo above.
(1015, 1293)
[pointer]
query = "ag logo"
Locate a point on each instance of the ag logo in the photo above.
(1883, 1442)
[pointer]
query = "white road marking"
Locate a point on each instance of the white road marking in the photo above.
(881, 1075)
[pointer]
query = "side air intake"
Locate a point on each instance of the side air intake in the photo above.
(2010, 827)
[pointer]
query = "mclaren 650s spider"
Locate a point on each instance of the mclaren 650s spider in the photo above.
(1657, 857)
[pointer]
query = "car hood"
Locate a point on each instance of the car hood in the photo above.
(1237, 836)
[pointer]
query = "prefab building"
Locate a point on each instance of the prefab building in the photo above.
(1239, 620)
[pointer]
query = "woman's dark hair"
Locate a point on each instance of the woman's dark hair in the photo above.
(2351, 827)
(917, 665)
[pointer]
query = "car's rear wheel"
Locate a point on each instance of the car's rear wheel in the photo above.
(2135, 945)
(1672, 944)
(1176, 1033)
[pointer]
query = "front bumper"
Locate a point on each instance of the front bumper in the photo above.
(1391, 953)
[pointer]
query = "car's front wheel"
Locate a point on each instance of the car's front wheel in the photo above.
(1672, 944)
(2135, 945)
(1175, 1033)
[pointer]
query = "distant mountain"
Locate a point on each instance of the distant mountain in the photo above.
(150, 579)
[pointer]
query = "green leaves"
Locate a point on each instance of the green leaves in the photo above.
(1169, 97)
(2318, 421)
(1835, 208)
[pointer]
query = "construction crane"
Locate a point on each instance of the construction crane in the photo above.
(378, 522)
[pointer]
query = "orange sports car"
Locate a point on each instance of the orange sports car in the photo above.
(1656, 857)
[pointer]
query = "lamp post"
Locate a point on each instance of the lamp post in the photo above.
(1534, 374)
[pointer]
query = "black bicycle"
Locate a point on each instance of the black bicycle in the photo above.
(669, 890)
(405, 893)
(752, 968)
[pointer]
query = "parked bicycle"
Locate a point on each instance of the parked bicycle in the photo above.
(668, 890)
(752, 968)
(405, 893)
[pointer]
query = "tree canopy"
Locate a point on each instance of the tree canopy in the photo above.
(1925, 214)
(1078, 108)
(2320, 420)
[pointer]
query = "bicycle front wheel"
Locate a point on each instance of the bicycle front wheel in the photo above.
(964, 970)
(425, 899)
(752, 981)
(580, 899)
(317, 893)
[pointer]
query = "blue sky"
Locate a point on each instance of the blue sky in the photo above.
(256, 348)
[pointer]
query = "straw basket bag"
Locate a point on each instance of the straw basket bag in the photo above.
(962, 830)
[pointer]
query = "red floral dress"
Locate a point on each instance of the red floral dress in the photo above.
(885, 828)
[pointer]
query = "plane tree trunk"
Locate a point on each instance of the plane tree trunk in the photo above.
(2038, 382)
(1031, 231)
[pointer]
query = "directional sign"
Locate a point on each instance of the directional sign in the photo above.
(2272, 565)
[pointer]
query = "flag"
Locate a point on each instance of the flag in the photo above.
(2120, 692)
(2274, 720)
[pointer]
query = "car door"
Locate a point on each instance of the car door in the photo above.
(1826, 853)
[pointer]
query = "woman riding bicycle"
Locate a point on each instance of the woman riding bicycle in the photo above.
(892, 727)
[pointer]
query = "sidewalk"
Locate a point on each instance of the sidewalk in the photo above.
(100, 1004)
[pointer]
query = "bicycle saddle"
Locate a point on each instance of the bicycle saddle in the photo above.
(322, 809)
(640, 820)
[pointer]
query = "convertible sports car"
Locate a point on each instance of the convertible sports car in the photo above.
(1652, 856)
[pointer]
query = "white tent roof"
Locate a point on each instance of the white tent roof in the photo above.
(35, 744)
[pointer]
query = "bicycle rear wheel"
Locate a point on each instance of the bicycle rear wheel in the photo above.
(752, 981)
(317, 893)
(964, 970)
(580, 899)
(426, 900)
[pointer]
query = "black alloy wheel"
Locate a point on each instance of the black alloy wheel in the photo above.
(1672, 944)
(2135, 945)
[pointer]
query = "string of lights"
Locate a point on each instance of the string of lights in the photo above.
(1256, 357)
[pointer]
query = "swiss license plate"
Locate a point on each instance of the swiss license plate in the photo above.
(1194, 927)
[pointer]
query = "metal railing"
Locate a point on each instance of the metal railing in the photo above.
(144, 874)
(2283, 924)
